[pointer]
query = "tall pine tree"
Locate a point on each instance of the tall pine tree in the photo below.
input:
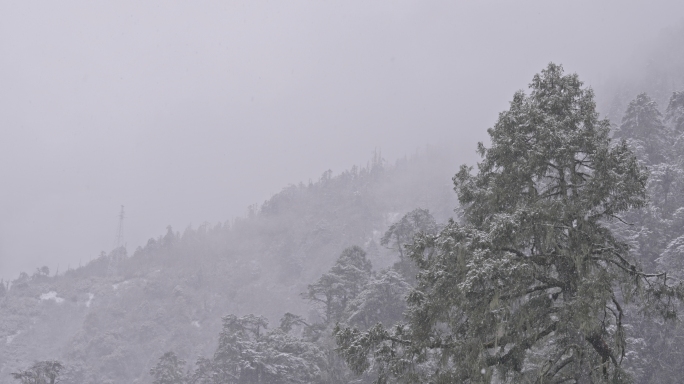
(530, 287)
(642, 126)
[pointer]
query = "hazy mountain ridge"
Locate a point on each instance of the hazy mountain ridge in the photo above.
(113, 318)
(656, 67)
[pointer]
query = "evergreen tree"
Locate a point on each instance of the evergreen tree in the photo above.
(655, 238)
(41, 372)
(674, 117)
(401, 234)
(382, 301)
(249, 354)
(674, 114)
(205, 372)
(236, 358)
(345, 280)
(642, 126)
(169, 370)
(531, 286)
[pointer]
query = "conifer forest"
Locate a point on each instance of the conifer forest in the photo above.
(557, 256)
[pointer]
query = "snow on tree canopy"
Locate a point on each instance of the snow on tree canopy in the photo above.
(530, 286)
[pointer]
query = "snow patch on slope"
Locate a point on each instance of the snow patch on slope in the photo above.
(90, 299)
(11, 337)
(52, 295)
(117, 285)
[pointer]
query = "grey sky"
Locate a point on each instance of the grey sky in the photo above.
(187, 112)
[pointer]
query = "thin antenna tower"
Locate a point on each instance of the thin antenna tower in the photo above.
(119, 240)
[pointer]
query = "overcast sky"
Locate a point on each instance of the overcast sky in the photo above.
(187, 112)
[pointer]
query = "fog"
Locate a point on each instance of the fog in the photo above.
(187, 113)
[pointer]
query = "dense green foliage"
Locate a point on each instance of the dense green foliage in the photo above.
(532, 284)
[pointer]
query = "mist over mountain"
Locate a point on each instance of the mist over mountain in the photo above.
(553, 254)
(653, 67)
(152, 105)
(112, 318)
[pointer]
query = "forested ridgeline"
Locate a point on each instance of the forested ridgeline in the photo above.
(562, 263)
(110, 320)
(564, 266)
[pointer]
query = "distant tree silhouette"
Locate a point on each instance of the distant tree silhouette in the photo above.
(169, 370)
(41, 372)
